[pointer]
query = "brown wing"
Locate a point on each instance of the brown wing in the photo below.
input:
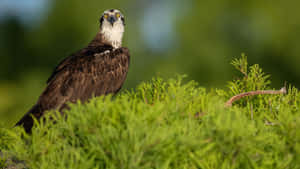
(80, 77)
(90, 50)
(97, 74)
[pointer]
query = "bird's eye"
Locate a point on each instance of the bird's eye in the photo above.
(105, 16)
(118, 15)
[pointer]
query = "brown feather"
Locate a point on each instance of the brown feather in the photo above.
(93, 71)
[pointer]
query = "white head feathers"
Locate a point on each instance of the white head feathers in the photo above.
(112, 27)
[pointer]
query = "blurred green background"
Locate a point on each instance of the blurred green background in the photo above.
(165, 38)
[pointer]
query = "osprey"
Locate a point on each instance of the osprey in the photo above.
(98, 69)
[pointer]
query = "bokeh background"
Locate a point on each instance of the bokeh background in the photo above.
(165, 37)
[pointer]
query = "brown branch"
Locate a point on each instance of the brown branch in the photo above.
(252, 93)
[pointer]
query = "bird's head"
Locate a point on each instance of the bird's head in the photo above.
(112, 27)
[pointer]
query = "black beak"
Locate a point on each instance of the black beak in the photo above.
(112, 20)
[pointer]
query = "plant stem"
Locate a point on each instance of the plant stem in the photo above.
(252, 93)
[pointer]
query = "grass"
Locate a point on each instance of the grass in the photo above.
(167, 124)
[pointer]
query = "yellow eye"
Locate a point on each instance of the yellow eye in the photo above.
(118, 15)
(105, 16)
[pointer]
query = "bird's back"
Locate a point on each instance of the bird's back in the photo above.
(93, 71)
(98, 69)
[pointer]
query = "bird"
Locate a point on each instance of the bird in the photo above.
(98, 69)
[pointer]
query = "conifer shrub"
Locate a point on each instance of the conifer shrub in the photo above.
(166, 124)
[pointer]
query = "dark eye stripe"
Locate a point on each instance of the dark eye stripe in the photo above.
(123, 20)
(101, 20)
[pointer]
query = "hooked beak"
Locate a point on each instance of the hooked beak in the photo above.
(112, 20)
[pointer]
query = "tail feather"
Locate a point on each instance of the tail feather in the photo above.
(27, 120)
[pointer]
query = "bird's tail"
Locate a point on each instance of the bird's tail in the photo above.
(27, 120)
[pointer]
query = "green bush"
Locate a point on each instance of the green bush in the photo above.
(167, 124)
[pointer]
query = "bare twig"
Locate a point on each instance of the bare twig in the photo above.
(199, 114)
(252, 93)
(270, 123)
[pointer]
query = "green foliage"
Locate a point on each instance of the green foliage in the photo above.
(190, 42)
(253, 77)
(167, 124)
(2, 163)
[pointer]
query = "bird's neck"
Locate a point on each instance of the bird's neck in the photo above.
(113, 35)
(108, 36)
